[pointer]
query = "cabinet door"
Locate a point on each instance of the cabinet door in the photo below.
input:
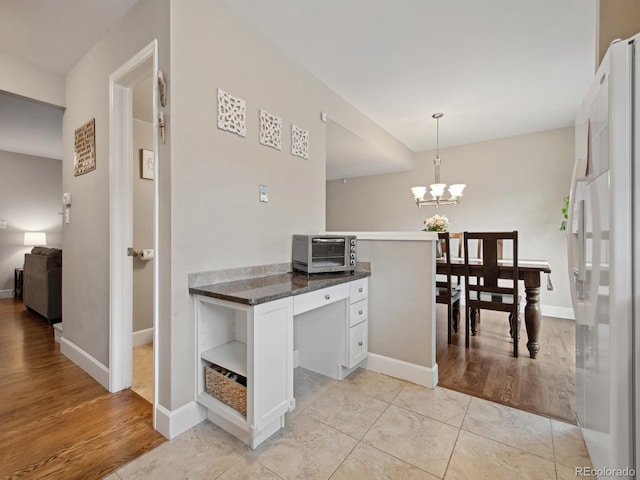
(358, 312)
(357, 344)
(271, 362)
(359, 290)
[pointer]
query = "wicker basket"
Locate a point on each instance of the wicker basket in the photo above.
(226, 390)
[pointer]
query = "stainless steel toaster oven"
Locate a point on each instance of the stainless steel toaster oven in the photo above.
(324, 253)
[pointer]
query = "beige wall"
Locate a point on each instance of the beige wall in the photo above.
(401, 302)
(514, 183)
(86, 238)
(30, 199)
(23, 78)
(142, 229)
(217, 219)
(615, 19)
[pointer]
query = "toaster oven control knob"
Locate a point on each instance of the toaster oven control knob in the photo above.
(353, 248)
(353, 255)
(353, 242)
(352, 262)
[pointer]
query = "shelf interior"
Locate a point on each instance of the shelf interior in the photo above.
(231, 355)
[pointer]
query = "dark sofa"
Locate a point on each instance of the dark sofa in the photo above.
(42, 287)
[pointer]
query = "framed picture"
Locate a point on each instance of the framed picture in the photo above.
(84, 158)
(146, 164)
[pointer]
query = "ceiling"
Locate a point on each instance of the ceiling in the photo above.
(496, 68)
(56, 34)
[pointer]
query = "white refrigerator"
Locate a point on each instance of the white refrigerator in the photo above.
(603, 233)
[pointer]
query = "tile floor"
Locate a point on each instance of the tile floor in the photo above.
(372, 426)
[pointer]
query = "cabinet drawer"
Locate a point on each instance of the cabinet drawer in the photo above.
(358, 312)
(357, 344)
(309, 301)
(359, 290)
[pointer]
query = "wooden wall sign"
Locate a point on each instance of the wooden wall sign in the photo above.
(84, 159)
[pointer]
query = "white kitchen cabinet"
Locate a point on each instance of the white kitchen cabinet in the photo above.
(331, 331)
(357, 345)
(255, 342)
(254, 338)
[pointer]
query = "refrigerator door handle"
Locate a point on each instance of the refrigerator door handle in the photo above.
(579, 273)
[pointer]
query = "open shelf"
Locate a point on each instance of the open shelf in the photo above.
(231, 355)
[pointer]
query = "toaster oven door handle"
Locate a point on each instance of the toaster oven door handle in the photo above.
(328, 240)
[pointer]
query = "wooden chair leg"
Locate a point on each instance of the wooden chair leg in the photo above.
(449, 315)
(456, 316)
(467, 324)
(474, 318)
(513, 322)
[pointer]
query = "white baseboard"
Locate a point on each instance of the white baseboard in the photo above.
(172, 423)
(142, 337)
(57, 331)
(427, 377)
(85, 361)
(558, 312)
(6, 293)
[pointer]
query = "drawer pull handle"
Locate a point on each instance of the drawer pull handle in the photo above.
(327, 296)
(360, 343)
(360, 290)
(360, 312)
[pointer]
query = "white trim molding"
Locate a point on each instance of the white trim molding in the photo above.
(425, 376)
(85, 361)
(120, 215)
(142, 337)
(172, 423)
(557, 312)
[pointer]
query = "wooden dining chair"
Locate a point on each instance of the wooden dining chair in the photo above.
(475, 313)
(459, 236)
(482, 290)
(448, 292)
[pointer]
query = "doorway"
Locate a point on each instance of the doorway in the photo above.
(133, 215)
(143, 208)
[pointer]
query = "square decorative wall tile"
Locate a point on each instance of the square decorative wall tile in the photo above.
(270, 130)
(299, 142)
(232, 113)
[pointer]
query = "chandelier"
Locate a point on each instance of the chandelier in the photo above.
(437, 189)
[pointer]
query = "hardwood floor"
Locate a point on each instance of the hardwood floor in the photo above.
(545, 386)
(56, 422)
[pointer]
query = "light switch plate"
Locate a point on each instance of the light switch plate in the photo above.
(264, 197)
(3, 224)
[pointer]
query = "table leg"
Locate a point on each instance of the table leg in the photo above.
(532, 313)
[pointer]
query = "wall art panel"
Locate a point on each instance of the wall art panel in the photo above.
(270, 130)
(232, 113)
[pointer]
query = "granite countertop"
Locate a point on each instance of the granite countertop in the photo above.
(254, 291)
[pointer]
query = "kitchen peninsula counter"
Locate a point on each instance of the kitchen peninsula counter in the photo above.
(262, 289)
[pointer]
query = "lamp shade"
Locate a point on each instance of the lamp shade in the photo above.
(456, 189)
(437, 189)
(418, 192)
(35, 238)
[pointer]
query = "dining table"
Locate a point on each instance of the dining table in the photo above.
(528, 270)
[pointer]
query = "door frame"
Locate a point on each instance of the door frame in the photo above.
(121, 220)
